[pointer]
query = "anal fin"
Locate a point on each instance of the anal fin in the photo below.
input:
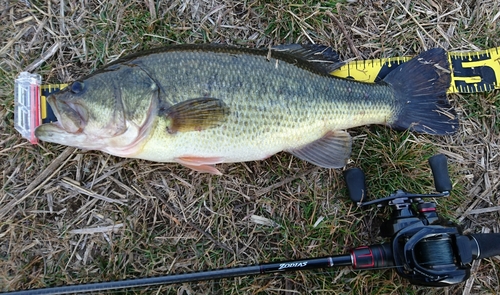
(331, 151)
(201, 164)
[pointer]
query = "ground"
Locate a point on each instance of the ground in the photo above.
(69, 216)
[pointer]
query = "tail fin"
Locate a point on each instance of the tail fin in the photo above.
(420, 86)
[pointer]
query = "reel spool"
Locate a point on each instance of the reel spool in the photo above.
(432, 255)
(434, 252)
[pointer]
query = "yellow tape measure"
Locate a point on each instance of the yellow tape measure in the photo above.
(471, 72)
(475, 71)
(46, 113)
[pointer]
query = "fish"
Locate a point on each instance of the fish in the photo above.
(201, 105)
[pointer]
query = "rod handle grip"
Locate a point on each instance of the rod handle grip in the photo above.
(439, 167)
(488, 244)
(356, 186)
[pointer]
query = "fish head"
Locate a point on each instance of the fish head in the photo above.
(111, 110)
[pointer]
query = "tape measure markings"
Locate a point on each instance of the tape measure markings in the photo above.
(476, 71)
(47, 114)
(471, 71)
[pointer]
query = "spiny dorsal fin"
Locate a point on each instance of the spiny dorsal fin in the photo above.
(331, 151)
(195, 114)
(324, 58)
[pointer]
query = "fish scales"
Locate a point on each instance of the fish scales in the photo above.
(274, 105)
(203, 105)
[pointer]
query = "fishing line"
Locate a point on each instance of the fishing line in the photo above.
(434, 252)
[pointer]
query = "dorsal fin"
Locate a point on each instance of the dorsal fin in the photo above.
(322, 57)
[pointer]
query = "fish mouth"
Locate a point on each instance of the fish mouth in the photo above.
(71, 118)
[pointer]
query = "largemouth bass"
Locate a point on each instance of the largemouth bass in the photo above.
(200, 105)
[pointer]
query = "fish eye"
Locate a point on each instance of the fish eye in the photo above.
(77, 87)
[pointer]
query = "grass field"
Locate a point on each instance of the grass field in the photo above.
(69, 216)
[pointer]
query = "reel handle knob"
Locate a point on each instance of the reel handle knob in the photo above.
(355, 181)
(439, 167)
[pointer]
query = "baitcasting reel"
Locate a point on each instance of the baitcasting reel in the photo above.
(421, 249)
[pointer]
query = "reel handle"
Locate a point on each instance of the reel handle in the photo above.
(439, 167)
(356, 186)
(488, 245)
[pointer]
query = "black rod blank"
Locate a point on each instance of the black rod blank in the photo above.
(293, 265)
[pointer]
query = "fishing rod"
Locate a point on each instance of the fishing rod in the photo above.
(420, 249)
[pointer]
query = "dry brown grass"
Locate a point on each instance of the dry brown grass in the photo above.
(69, 216)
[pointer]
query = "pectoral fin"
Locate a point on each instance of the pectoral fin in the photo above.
(196, 115)
(201, 164)
(331, 151)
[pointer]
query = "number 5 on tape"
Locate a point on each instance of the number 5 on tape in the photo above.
(475, 71)
(471, 71)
